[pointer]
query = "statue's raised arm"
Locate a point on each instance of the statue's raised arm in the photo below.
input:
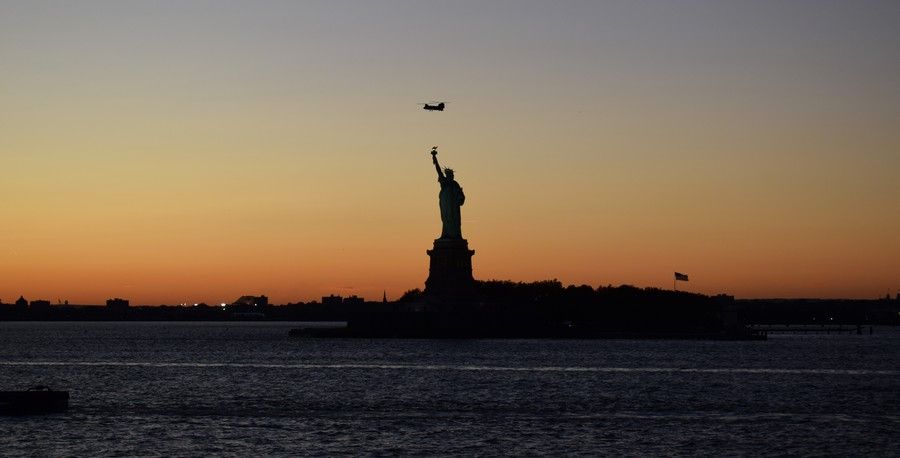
(436, 165)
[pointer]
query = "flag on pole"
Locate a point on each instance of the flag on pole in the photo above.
(681, 276)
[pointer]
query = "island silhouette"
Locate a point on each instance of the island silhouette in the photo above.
(455, 305)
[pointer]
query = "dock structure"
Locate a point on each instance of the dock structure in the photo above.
(811, 329)
(36, 400)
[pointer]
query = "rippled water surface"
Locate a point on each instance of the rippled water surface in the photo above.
(164, 389)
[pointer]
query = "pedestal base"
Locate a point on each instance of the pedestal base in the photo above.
(450, 272)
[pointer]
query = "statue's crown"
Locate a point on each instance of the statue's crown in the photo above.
(448, 170)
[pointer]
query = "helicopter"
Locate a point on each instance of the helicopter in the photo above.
(436, 107)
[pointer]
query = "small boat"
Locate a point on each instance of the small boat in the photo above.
(38, 399)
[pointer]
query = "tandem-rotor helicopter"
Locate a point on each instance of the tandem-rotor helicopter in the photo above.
(433, 106)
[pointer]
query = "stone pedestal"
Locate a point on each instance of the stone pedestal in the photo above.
(450, 272)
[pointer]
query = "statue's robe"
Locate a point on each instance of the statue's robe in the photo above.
(451, 198)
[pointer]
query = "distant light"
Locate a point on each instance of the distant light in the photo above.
(222, 304)
(195, 305)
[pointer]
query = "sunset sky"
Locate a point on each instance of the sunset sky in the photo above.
(188, 151)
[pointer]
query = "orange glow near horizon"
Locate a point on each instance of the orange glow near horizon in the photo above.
(181, 155)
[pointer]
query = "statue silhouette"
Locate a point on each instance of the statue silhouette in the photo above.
(451, 198)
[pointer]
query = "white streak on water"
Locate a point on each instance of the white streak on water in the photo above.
(420, 367)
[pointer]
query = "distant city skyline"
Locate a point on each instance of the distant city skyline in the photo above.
(182, 152)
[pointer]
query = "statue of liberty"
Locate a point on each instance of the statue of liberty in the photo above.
(451, 198)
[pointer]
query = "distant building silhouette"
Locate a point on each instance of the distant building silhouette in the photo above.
(39, 306)
(331, 299)
(353, 300)
(117, 303)
(117, 308)
(252, 301)
(249, 307)
(19, 307)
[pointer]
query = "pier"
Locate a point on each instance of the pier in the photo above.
(812, 329)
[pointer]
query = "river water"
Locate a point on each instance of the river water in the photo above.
(244, 389)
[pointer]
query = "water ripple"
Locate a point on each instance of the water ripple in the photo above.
(439, 367)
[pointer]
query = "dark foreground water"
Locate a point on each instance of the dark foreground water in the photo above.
(245, 389)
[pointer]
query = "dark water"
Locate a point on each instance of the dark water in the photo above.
(244, 389)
